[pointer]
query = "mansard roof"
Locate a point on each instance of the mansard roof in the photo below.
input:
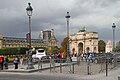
(20, 39)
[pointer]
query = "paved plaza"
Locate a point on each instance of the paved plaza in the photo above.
(97, 71)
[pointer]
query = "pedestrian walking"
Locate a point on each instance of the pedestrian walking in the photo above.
(1, 62)
(21, 61)
(6, 62)
(16, 61)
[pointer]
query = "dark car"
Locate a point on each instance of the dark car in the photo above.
(117, 57)
(101, 57)
(45, 59)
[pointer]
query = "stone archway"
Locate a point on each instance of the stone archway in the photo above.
(80, 48)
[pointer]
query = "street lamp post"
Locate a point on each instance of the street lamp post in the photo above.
(113, 27)
(29, 11)
(68, 52)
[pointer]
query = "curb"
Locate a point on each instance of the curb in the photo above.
(32, 70)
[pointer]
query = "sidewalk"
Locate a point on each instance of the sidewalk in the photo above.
(113, 75)
(23, 68)
(80, 71)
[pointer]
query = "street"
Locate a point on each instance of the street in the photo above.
(97, 72)
(34, 76)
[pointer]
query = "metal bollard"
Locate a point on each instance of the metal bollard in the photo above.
(50, 67)
(118, 77)
(70, 66)
(88, 70)
(78, 61)
(73, 69)
(60, 68)
(53, 64)
(115, 62)
(106, 67)
(41, 66)
(88, 67)
(38, 65)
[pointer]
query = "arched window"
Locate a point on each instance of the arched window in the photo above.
(87, 49)
(94, 49)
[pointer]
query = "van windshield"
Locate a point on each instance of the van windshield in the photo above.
(40, 50)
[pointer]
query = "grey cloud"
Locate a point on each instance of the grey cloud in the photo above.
(97, 15)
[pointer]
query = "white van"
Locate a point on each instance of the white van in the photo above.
(39, 53)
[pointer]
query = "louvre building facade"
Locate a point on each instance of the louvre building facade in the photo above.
(46, 39)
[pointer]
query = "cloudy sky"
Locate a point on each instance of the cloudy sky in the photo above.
(96, 15)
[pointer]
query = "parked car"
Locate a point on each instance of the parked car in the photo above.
(39, 53)
(117, 57)
(101, 57)
(45, 58)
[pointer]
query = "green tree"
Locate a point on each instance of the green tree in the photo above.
(53, 50)
(8, 51)
(64, 47)
(22, 50)
(13, 51)
(117, 49)
(101, 46)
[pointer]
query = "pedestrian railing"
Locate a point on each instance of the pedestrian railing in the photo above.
(55, 65)
(77, 67)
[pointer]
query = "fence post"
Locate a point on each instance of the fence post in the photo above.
(60, 66)
(118, 77)
(88, 67)
(70, 66)
(50, 67)
(106, 67)
(115, 61)
(41, 65)
(50, 63)
(101, 63)
(53, 63)
(73, 68)
(78, 60)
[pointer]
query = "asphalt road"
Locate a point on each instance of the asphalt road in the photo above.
(35, 76)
